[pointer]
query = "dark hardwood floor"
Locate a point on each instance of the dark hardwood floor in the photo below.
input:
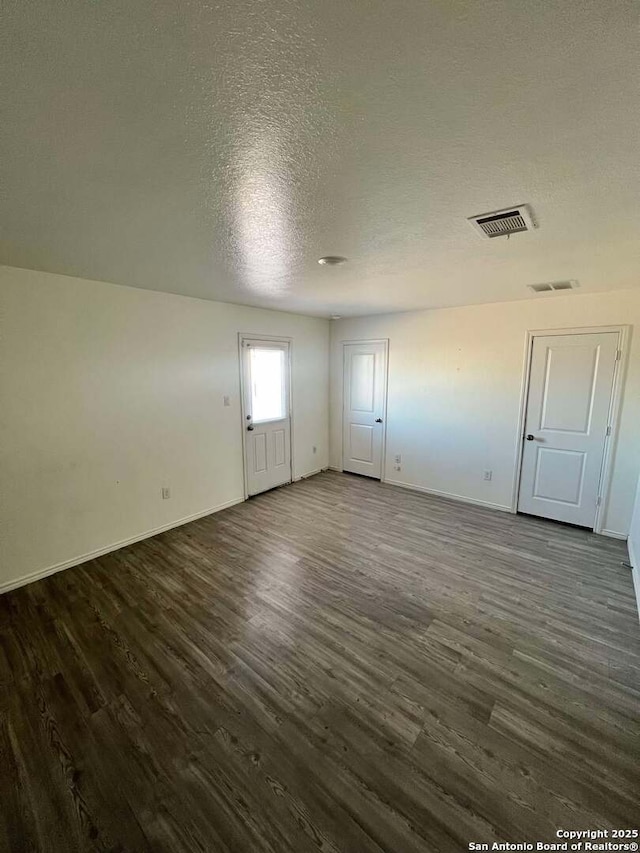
(337, 665)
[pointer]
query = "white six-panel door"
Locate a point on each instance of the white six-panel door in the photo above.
(365, 371)
(568, 410)
(266, 413)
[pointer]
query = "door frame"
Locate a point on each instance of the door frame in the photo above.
(283, 339)
(385, 385)
(615, 406)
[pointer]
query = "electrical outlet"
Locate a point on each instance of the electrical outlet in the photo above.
(398, 459)
(166, 493)
(226, 401)
(487, 475)
(397, 468)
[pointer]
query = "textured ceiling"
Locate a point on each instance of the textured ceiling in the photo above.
(217, 149)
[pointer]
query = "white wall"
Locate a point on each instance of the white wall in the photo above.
(109, 393)
(455, 379)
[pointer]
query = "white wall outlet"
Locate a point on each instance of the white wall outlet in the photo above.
(226, 401)
(487, 475)
(397, 468)
(397, 459)
(166, 493)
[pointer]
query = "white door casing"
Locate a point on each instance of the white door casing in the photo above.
(566, 425)
(364, 388)
(266, 413)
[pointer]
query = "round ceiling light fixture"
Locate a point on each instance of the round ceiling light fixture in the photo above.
(336, 316)
(332, 260)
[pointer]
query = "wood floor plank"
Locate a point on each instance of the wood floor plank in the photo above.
(337, 666)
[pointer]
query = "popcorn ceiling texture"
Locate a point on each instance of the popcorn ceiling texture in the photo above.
(218, 149)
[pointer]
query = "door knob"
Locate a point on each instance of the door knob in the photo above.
(530, 437)
(378, 420)
(250, 427)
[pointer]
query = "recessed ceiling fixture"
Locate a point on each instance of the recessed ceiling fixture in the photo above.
(336, 316)
(503, 223)
(332, 260)
(550, 286)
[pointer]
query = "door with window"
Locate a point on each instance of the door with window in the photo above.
(567, 424)
(266, 413)
(364, 385)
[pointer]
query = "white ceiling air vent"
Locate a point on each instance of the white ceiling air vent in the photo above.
(502, 223)
(550, 286)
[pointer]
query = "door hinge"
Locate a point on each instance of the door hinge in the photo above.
(598, 501)
(608, 430)
(618, 354)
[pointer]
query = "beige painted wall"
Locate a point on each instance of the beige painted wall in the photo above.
(109, 393)
(454, 393)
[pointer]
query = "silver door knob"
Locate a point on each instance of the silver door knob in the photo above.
(250, 428)
(530, 437)
(378, 420)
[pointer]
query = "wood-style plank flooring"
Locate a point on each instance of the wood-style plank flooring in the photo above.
(336, 665)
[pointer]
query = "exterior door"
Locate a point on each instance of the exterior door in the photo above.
(566, 424)
(365, 376)
(266, 413)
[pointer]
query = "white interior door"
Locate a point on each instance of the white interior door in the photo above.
(365, 372)
(570, 387)
(266, 413)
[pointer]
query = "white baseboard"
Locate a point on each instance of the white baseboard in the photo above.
(613, 534)
(636, 584)
(634, 559)
(335, 468)
(450, 495)
(107, 549)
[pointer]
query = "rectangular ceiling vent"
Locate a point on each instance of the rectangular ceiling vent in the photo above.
(549, 287)
(502, 223)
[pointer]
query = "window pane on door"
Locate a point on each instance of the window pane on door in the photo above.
(268, 384)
